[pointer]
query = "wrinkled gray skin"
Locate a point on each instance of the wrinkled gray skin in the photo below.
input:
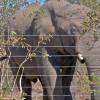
(91, 51)
(60, 18)
(20, 22)
(86, 44)
(41, 67)
(44, 68)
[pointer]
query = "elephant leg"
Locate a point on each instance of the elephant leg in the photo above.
(95, 87)
(50, 77)
(26, 88)
(25, 83)
(52, 85)
(67, 77)
(51, 81)
(66, 80)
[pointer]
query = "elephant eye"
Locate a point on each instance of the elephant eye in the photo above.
(81, 58)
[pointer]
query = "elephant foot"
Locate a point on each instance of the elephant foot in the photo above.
(68, 94)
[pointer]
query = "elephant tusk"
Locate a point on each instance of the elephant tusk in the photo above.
(81, 58)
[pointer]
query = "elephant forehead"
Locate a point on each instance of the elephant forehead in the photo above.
(56, 4)
(72, 11)
(63, 15)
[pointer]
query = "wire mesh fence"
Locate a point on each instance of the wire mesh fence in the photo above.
(38, 61)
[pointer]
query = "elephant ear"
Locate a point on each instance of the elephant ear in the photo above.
(85, 43)
(42, 26)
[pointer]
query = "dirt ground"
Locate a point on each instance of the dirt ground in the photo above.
(37, 94)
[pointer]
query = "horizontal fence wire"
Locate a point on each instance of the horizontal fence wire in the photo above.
(33, 35)
(61, 95)
(56, 87)
(51, 75)
(45, 46)
(97, 55)
(96, 67)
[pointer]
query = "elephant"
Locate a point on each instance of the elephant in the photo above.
(68, 18)
(87, 47)
(19, 22)
(41, 67)
(46, 69)
(61, 22)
